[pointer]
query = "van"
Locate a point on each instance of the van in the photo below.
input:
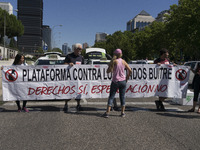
(192, 65)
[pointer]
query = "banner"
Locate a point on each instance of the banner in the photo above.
(90, 81)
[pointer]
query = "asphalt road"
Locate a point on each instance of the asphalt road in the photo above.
(46, 127)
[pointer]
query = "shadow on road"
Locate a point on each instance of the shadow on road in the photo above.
(180, 115)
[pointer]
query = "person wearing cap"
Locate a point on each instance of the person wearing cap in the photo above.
(119, 80)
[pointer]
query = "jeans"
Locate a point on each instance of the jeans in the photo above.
(121, 85)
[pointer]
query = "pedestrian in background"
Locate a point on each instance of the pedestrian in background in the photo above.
(196, 87)
(119, 80)
(74, 58)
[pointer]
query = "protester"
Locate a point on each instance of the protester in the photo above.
(163, 59)
(19, 60)
(74, 58)
(196, 87)
(117, 67)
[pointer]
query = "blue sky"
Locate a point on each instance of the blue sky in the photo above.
(82, 19)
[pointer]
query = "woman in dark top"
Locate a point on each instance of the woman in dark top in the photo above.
(196, 86)
(19, 60)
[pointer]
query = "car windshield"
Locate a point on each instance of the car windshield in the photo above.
(100, 62)
(140, 62)
(50, 62)
(191, 64)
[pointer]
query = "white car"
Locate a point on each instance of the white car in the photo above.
(97, 61)
(141, 62)
(192, 65)
(51, 58)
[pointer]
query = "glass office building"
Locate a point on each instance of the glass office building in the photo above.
(30, 12)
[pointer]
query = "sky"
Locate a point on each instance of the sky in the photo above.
(82, 19)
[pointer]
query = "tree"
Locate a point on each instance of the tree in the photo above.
(13, 43)
(14, 27)
(183, 24)
(122, 40)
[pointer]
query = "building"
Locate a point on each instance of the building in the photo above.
(7, 53)
(31, 15)
(161, 16)
(100, 37)
(6, 6)
(85, 45)
(46, 36)
(65, 48)
(139, 21)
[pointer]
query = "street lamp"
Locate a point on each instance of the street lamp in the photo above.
(4, 40)
(52, 38)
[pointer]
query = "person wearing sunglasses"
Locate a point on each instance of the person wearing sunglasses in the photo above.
(74, 58)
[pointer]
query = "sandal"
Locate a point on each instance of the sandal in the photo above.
(191, 110)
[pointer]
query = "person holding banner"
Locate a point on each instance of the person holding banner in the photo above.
(119, 79)
(163, 59)
(196, 87)
(71, 59)
(19, 60)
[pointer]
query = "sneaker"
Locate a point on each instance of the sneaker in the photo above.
(25, 109)
(162, 107)
(105, 115)
(116, 108)
(65, 109)
(79, 108)
(111, 108)
(122, 115)
(157, 102)
(191, 110)
(19, 110)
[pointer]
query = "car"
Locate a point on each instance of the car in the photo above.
(97, 61)
(141, 62)
(50, 58)
(192, 65)
(132, 62)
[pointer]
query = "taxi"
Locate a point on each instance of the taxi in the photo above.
(50, 58)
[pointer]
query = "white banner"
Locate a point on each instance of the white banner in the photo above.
(90, 81)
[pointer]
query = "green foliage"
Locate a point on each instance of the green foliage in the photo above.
(40, 50)
(180, 34)
(122, 40)
(13, 43)
(14, 27)
(184, 27)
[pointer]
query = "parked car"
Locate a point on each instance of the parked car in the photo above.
(50, 58)
(192, 65)
(141, 62)
(97, 61)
